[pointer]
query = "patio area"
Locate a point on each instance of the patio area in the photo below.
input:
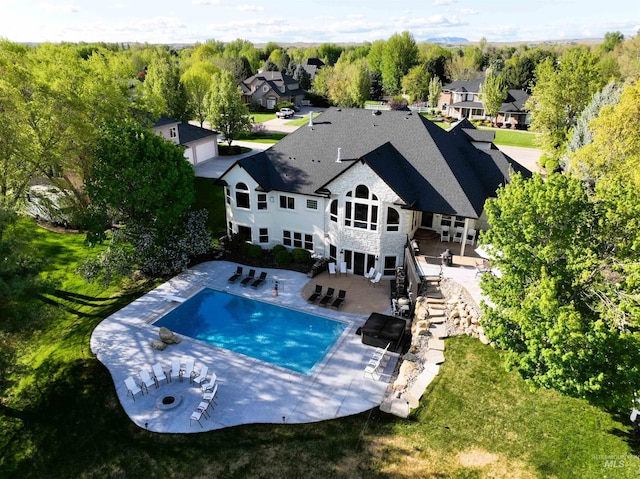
(250, 390)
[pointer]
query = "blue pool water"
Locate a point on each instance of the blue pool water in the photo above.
(285, 337)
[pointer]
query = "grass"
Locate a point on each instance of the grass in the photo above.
(301, 121)
(210, 196)
(523, 139)
(265, 137)
(261, 117)
(60, 417)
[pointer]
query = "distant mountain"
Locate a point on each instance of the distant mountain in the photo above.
(446, 40)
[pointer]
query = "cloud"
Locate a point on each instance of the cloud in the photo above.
(118, 6)
(205, 2)
(443, 2)
(468, 11)
(249, 8)
(59, 8)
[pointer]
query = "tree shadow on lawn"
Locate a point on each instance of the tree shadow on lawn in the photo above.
(90, 306)
(74, 426)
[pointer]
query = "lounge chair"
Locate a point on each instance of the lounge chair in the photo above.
(212, 382)
(188, 369)
(176, 370)
(373, 369)
(147, 380)
(132, 387)
(332, 269)
(327, 297)
(258, 282)
(201, 378)
(248, 278)
(235, 276)
(159, 374)
(376, 280)
(340, 299)
(316, 294)
(370, 274)
(343, 268)
(381, 355)
(202, 407)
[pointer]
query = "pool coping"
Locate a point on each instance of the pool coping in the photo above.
(250, 391)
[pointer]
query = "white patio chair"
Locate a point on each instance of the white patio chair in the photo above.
(370, 274)
(196, 416)
(176, 370)
(188, 369)
(373, 370)
(444, 234)
(159, 374)
(201, 378)
(457, 236)
(147, 380)
(132, 387)
(343, 268)
(202, 407)
(212, 382)
(471, 236)
(376, 280)
(211, 396)
(332, 269)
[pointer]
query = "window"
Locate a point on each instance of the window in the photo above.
(393, 219)
(227, 193)
(245, 233)
(287, 202)
(265, 88)
(173, 132)
(312, 204)
(333, 211)
(262, 201)
(458, 221)
(333, 253)
(297, 240)
(363, 211)
(389, 265)
(263, 235)
(242, 196)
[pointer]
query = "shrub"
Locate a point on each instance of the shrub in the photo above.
(277, 248)
(299, 255)
(282, 257)
(317, 100)
(284, 104)
(252, 251)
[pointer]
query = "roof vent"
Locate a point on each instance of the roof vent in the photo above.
(377, 112)
(310, 118)
(339, 159)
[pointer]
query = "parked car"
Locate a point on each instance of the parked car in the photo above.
(285, 113)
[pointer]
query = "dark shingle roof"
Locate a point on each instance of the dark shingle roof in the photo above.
(428, 168)
(188, 133)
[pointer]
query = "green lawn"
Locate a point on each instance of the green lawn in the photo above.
(524, 139)
(301, 121)
(60, 417)
(261, 117)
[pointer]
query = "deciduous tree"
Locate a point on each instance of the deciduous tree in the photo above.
(492, 93)
(225, 110)
(399, 55)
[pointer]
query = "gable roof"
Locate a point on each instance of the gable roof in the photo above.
(428, 168)
(186, 131)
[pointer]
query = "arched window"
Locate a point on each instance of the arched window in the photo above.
(242, 196)
(361, 212)
(333, 211)
(393, 219)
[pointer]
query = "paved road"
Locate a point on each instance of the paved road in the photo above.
(527, 157)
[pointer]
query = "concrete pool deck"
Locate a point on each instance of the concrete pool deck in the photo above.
(250, 391)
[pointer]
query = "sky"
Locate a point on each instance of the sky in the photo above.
(312, 21)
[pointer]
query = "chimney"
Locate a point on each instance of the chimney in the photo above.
(339, 159)
(310, 118)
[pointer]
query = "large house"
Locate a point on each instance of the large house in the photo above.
(267, 89)
(461, 99)
(199, 144)
(355, 186)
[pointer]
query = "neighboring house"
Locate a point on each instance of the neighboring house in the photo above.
(312, 65)
(199, 144)
(354, 185)
(270, 88)
(461, 99)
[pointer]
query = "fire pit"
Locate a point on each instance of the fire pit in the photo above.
(168, 402)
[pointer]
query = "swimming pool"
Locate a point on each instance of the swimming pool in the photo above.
(285, 337)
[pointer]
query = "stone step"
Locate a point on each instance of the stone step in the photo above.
(396, 406)
(438, 331)
(437, 319)
(433, 313)
(415, 392)
(437, 344)
(434, 356)
(435, 301)
(434, 294)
